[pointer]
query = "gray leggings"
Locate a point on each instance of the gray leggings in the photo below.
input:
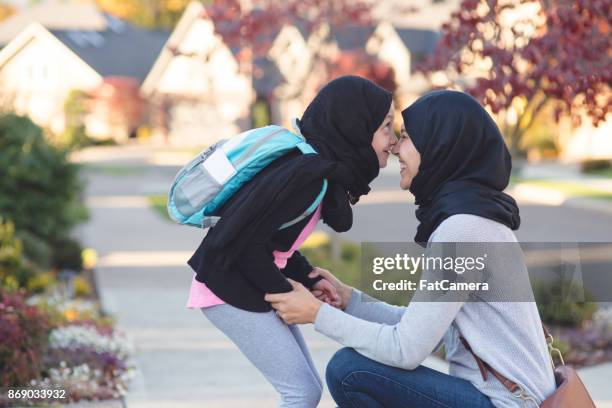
(277, 350)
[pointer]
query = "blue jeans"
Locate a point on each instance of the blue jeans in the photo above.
(356, 381)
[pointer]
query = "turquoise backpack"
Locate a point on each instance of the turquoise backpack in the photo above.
(204, 184)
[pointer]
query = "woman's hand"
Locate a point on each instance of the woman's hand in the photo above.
(295, 307)
(325, 291)
(343, 290)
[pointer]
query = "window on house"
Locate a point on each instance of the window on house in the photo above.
(38, 76)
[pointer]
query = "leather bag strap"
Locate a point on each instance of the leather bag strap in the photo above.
(484, 367)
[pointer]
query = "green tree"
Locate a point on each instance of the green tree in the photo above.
(40, 190)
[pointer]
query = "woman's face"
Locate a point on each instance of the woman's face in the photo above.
(384, 138)
(409, 159)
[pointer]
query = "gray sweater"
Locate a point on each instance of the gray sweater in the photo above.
(507, 335)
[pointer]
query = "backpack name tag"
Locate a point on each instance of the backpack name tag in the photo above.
(219, 166)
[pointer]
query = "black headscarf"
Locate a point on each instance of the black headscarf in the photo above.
(465, 164)
(340, 124)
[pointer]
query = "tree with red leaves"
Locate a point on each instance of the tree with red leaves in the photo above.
(522, 57)
(367, 66)
(250, 26)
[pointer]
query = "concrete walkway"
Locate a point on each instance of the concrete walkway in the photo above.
(182, 360)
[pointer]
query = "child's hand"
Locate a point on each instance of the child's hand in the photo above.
(326, 292)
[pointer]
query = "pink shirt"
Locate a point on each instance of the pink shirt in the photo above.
(201, 296)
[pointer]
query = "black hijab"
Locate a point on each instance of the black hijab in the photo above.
(465, 164)
(340, 124)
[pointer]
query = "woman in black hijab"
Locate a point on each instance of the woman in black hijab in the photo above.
(454, 160)
(350, 125)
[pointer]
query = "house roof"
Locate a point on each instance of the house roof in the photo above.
(420, 42)
(121, 50)
(35, 30)
(352, 37)
(266, 77)
(192, 13)
(53, 15)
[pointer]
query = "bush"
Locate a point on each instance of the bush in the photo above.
(10, 248)
(346, 268)
(82, 288)
(24, 331)
(40, 190)
(595, 166)
(41, 282)
(36, 248)
(561, 304)
(74, 138)
(14, 271)
(67, 254)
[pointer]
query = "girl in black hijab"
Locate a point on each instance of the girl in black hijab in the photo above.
(350, 125)
(453, 159)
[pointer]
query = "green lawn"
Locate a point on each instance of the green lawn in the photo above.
(601, 172)
(569, 188)
(113, 170)
(158, 203)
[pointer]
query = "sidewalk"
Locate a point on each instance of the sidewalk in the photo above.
(563, 184)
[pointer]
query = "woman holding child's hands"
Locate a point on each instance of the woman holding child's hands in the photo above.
(302, 305)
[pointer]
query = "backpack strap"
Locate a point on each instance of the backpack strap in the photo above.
(311, 208)
(305, 148)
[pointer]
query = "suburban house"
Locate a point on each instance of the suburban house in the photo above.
(198, 91)
(288, 78)
(41, 66)
(586, 142)
(399, 48)
(54, 15)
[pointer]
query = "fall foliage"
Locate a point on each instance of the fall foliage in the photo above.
(250, 28)
(161, 14)
(522, 57)
(6, 10)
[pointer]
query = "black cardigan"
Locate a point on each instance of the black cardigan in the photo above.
(255, 273)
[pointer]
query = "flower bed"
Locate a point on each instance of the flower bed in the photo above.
(53, 344)
(588, 345)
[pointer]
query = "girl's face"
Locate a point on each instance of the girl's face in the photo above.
(409, 159)
(384, 138)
